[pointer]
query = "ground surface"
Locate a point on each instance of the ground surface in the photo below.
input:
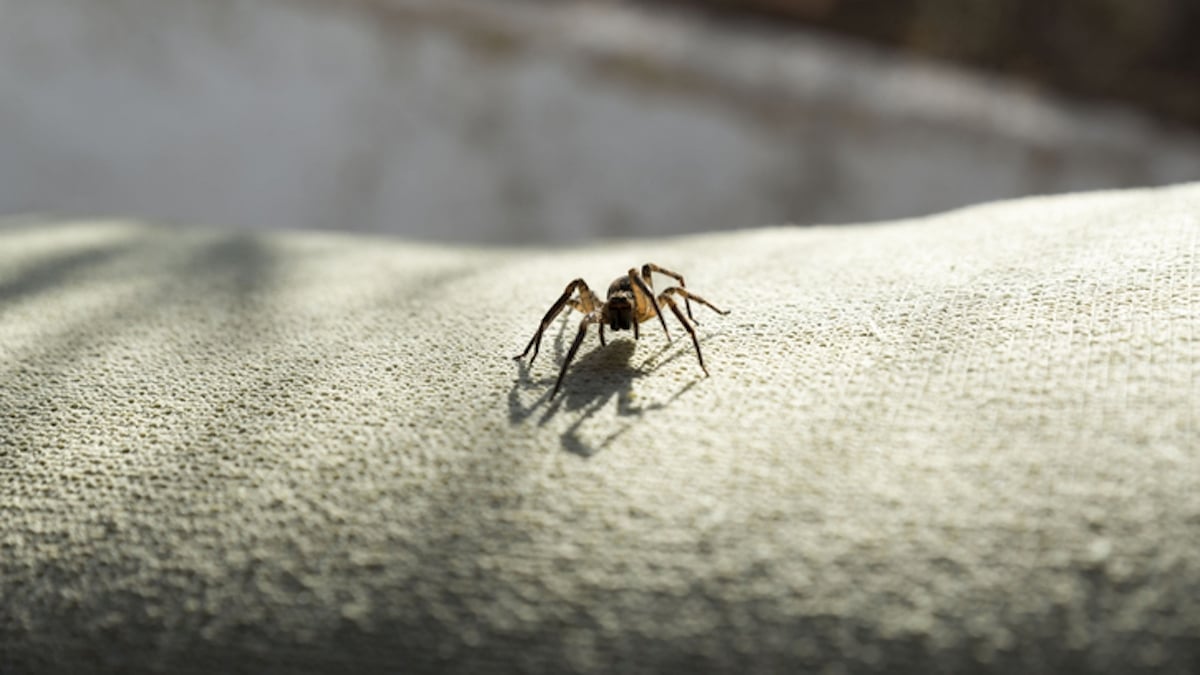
(965, 442)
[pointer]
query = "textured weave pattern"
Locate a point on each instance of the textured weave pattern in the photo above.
(962, 442)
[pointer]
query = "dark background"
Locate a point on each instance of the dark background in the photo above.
(1144, 53)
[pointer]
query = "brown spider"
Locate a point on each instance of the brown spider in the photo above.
(630, 301)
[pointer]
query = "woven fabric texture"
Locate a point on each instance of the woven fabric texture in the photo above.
(967, 442)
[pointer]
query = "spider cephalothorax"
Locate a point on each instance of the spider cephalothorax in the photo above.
(630, 301)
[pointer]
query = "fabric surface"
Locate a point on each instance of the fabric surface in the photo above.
(966, 442)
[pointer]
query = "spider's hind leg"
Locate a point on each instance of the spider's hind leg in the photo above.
(651, 267)
(688, 294)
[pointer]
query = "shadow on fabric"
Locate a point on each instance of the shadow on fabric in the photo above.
(593, 381)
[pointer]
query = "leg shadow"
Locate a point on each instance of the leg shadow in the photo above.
(593, 381)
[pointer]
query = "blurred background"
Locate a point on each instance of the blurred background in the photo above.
(521, 121)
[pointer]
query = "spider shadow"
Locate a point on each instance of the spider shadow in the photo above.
(593, 381)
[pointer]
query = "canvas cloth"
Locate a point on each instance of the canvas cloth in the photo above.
(967, 442)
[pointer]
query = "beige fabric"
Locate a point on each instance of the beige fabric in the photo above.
(959, 442)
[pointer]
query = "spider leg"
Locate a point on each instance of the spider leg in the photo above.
(651, 267)
(666, 299)
(587, 306)
(688, 294)
(586, 297)
(640, 285)
(583, 326)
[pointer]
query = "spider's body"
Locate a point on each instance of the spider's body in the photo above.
(630, 302)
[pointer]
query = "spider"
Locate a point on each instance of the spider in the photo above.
(630, 302)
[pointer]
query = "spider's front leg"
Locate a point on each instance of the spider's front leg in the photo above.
(647, 293)
(585, 304)
(577, 305)
(583, 326)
